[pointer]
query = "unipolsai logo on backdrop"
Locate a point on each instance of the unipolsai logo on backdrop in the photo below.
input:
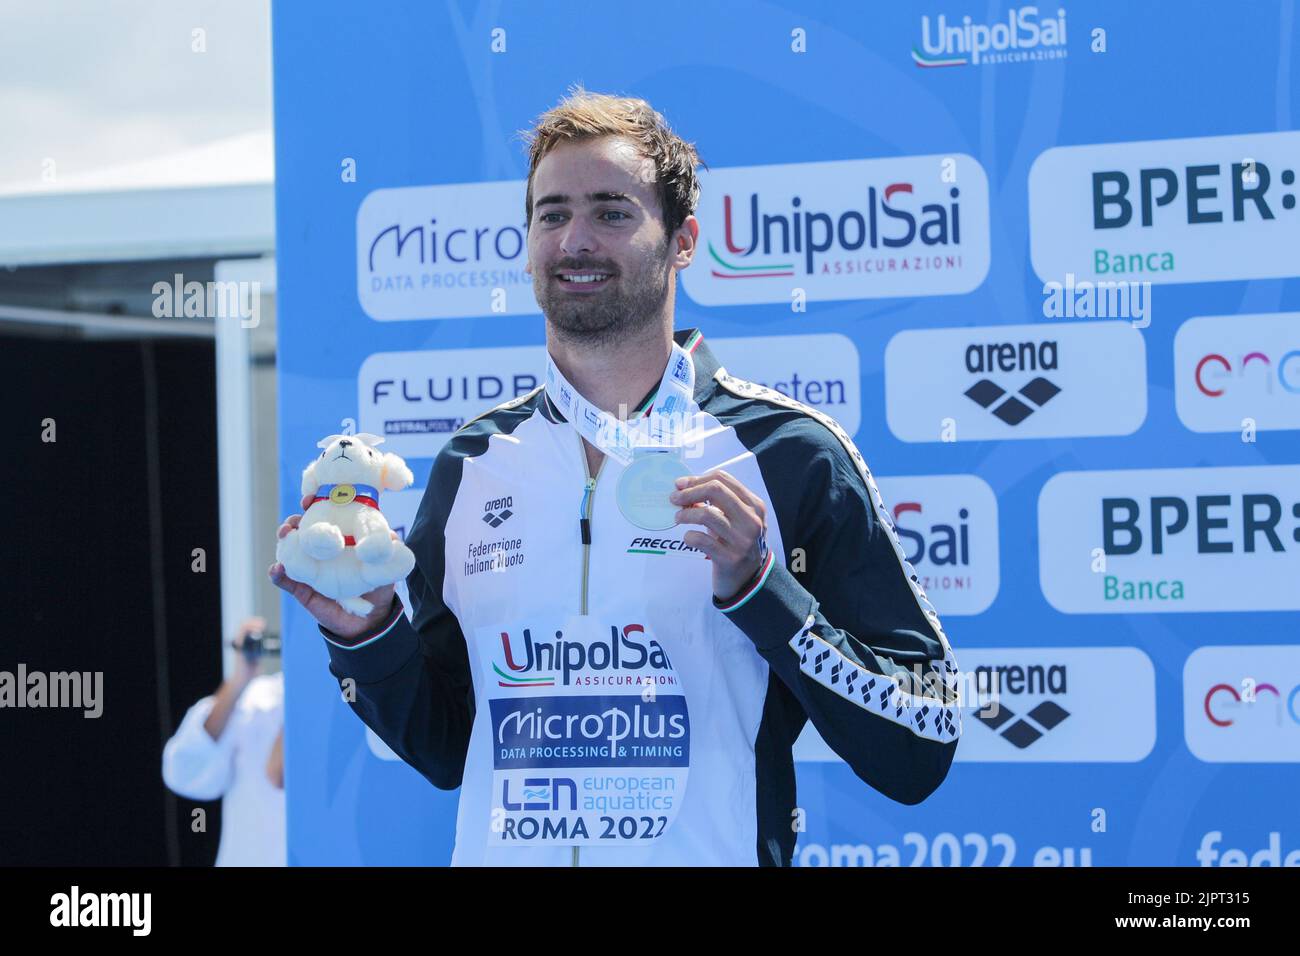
(1218, 208)
(1173, 539)
(849, 229)
(1022, 35)
(442, 252)
(948, 528)
(1242, 704)
(417, 399)
(821, 371)
(1238, 372)
(1015, 381)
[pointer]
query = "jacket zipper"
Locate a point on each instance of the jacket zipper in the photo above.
(584, 527)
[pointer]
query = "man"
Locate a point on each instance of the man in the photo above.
(608, 687)
(230, 745)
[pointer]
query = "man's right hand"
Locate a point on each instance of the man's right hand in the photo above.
(328, 612)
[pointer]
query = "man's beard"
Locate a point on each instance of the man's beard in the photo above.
(614, 314)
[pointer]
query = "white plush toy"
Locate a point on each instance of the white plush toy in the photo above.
(343, 547)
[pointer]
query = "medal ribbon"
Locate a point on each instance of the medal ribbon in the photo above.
(662, 427)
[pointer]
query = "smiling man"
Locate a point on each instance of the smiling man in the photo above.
(637, 583)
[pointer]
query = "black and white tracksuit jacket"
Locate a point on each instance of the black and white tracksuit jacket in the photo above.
(574, 675)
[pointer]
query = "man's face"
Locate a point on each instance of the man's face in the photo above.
(596, 212)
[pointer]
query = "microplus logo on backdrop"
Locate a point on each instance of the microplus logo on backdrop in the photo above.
(1219, 208)
(948, 527)
(442, 252)
(1175, 539)
(1242, 704)
(1234, 373)
(1015, 381)
(851, 229)
(1021, 37)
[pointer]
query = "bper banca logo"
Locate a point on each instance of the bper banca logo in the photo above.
(1178, 539)
(1217, 208)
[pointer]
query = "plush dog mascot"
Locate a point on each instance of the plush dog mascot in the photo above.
(343, 547)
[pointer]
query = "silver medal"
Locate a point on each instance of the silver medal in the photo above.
(645, 485)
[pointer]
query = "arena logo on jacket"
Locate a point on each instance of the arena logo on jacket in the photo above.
(590, 732)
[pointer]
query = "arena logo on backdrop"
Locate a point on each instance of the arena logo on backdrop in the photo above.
(1168, 540)
(1054, 704)
(1015, 381)
(1242, 704)
(1213, 209)
(1238, 373)
(850, 229)
(417, 399)
(442, 252)
(948, 528)
(1022, 36)
(1045, 704)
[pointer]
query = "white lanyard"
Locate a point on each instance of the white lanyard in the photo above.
(663, 427)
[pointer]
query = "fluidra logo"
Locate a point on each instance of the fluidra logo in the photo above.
(208, 300)
(1120, 299)
(1021, 37)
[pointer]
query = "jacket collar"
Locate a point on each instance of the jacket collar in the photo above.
(705, 368)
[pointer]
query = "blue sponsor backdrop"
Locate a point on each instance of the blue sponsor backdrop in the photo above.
(415, 95)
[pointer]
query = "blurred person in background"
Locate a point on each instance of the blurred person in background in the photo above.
(231, 746)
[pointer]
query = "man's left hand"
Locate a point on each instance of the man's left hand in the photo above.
(736, 519)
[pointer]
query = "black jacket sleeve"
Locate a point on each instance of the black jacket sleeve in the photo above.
(409, 681)
(847, 626)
